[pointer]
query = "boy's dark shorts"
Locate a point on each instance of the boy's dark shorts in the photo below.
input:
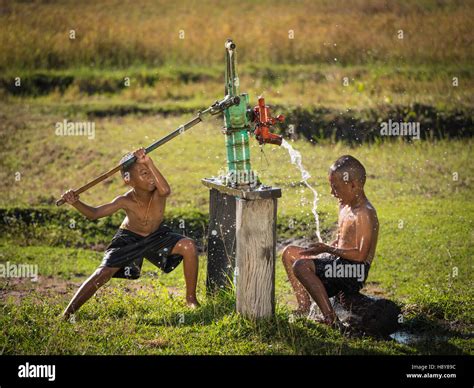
(127, 250)
(338, 274)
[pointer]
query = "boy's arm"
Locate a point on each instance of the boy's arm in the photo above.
(162, 185)
(91, 212)
(364, 235)
(334, 243)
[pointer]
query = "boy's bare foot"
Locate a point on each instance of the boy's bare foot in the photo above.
(328, 321)
(68, 317)
(192, 303)
(333, 323)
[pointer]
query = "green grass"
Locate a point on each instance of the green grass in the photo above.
(150, 323)
(148, 316)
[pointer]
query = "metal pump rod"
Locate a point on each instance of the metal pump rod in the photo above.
(216, 108)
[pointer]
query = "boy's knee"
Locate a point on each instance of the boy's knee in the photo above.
(105, 273)
(290, 252)
(188, 244)
(300, 266)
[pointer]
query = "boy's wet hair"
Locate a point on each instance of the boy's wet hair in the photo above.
(126, 169)
(350, 169)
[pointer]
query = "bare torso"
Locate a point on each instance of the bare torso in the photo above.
(143, 217)
(352, 219)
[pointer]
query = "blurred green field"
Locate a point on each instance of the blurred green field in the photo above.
(185, 89)
(123, 33)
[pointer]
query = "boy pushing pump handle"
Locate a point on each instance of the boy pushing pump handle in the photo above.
(214, 109)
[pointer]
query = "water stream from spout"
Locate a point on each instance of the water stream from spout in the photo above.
(296, 159)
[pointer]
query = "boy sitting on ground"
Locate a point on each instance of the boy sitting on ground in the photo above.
(141, 235)
(323, 271)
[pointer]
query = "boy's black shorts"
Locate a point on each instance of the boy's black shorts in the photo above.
(338, 274)
(127, 250)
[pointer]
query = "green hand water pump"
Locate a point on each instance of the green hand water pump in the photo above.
(239, 120)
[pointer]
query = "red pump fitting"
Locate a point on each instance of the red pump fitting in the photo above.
(263, 121)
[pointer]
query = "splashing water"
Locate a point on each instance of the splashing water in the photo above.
(295, 157)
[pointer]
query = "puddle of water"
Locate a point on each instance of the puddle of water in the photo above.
(296, 159)
(407, 338)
